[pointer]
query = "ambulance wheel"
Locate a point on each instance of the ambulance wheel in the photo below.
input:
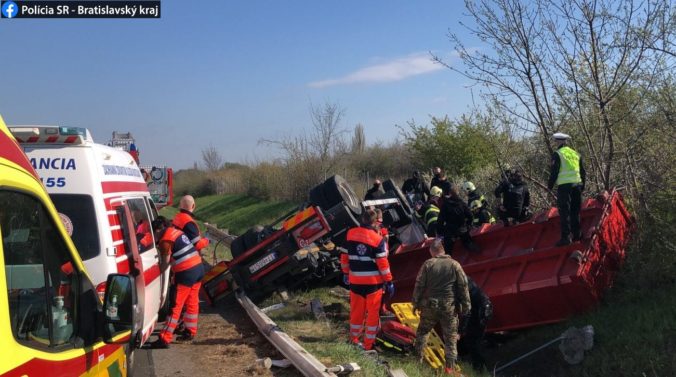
(390, 186)
(129, 353)
(337, 189)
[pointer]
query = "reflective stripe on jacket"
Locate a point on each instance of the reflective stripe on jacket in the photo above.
(366, 258)
(431, 214)
(180, 220)
(569, 172)
(183, 253)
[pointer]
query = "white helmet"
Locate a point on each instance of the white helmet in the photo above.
(468, 186)
(436, 191)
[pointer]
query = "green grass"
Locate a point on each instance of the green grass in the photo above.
(239, 212)
(635, 335)
(328, 340)
(236, 212)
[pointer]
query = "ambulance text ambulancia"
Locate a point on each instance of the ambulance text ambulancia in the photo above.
(92, 186)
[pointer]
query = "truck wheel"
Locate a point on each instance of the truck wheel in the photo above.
(246, 241)
(337, 189)
(340, 219)
(237, 247)
(317, 197)
(388, 186)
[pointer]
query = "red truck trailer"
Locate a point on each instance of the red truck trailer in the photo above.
(529, 280)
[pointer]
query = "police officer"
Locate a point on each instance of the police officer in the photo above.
(473, 326)
(454, 221)
(367, 271)
(186, 264)
(515, 199)
(185, 221)
(441, 294)
(568, 174)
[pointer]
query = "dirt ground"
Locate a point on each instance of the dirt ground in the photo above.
(227, 344)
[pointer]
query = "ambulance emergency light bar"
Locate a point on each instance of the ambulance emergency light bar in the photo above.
(50, 134)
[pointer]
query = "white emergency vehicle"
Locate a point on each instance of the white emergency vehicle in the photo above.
(93, 186)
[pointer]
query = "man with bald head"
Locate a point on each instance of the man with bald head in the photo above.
(185, 221)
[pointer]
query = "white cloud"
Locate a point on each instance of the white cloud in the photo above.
(395, 70)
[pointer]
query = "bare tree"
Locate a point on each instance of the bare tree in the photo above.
(564, 65)
(313, 155)
(358, 139)
(212, 159)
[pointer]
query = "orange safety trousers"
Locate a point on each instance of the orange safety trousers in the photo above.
(365, 317)
(188, 295)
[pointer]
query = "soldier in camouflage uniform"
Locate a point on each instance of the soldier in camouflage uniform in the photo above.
(440, 294)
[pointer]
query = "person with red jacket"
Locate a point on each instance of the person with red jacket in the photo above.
(186, 264)
(366, 270)
(185, 221)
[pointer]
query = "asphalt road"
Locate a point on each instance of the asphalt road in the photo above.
(143, 363)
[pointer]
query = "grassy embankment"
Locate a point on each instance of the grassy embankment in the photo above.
(236, 213)
(635, 324)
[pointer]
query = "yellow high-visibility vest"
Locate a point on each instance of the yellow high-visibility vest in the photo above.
(431, 214)
(569, 172)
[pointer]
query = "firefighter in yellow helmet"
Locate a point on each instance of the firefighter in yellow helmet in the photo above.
(480, 213)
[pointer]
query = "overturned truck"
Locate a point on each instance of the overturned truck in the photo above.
(530, 281)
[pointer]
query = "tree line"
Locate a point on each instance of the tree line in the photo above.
(599, 70)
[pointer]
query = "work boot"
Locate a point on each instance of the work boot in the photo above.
(157, 345)
(185, 336)
(563, 242)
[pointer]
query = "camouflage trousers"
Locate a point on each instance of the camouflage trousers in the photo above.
(444, 313)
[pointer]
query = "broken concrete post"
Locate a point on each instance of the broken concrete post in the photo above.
(264, 363)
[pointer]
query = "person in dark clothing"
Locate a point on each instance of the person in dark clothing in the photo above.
(415, 188)
(473, 327)
(375, 192)
(439, 180)
(568, 174)
(515, 199)
(454, 221)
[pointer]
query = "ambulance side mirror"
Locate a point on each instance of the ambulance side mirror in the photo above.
(118, 309)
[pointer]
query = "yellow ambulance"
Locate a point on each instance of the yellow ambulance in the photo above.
(52, 322)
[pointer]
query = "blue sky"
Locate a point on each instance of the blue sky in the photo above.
(228, 73)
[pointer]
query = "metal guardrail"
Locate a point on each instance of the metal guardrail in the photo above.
(304, 361)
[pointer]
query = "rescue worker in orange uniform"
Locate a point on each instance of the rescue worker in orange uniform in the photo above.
(367, 271)
(185, 221)
(186, 264)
